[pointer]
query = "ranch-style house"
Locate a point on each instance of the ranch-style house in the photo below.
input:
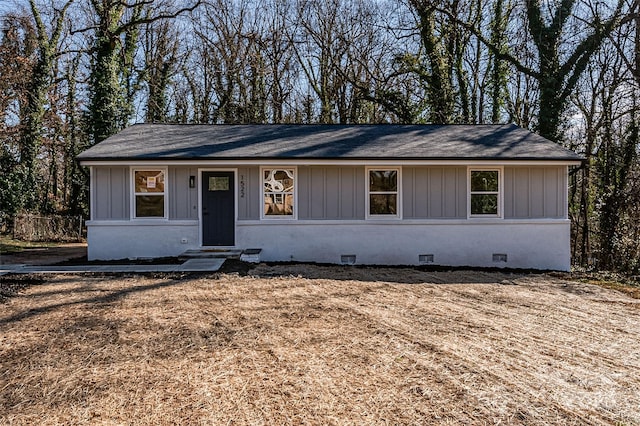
(458, 195)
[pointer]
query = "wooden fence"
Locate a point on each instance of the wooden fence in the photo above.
(29, 227)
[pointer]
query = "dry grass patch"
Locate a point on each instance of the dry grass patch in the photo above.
(320, 345)
(626, 285)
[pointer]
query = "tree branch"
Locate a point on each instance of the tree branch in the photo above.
(593, 41)
(496, 50)
(148, 20)
(140, 21)
(575, 65)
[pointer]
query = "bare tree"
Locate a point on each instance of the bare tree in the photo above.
(115, 27)
(161, 57)
(41, 78)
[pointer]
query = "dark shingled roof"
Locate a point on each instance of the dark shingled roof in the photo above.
(300, 141)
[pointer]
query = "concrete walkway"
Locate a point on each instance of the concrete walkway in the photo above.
(191, 265)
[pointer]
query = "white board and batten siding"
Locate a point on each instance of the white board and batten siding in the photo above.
(331, 218)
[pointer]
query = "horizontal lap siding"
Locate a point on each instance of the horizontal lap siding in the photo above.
(535, 192)
(110, 193)
(183, 201)
(331, 193)
(434, 192)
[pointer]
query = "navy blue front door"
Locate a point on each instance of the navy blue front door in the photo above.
(218, 209)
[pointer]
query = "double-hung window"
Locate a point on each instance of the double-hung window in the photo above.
(485, 193)
(383, 199)
(149, 193)
(278, 189)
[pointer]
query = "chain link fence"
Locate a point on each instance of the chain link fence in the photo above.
(29, 227)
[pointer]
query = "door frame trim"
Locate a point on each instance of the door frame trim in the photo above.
(235, 203)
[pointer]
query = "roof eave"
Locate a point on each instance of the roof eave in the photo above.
(337, 160)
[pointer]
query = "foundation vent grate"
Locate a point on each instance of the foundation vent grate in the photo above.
(425, 259)
(348, 259)
(499, 257)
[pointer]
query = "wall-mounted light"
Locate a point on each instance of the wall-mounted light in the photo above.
(192, 181)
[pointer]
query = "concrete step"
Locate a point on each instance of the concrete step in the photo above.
(210, 254)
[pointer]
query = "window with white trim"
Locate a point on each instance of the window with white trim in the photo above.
(383, 198)
(485, 188)
(149, 193)
(278, 190)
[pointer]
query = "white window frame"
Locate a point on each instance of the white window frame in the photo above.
(499, 193)
(398, 193)
(134, 194)
(294, 216)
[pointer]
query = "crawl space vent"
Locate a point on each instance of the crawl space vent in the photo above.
(499, 257)
(348, 259)
(251, 255)
(425, 259)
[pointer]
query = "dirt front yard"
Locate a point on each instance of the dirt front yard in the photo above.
(319, 345)
(14, 251)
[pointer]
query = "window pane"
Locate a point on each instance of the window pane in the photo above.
(485, 180)
(149, 181)
(278, 192)
(218, 183)
(383, 204)
(149, 205)
(278, 180)
(484, 204)
(278, 204)
(383, 180)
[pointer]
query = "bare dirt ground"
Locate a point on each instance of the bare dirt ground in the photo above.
(46, 255)
(301, 344)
